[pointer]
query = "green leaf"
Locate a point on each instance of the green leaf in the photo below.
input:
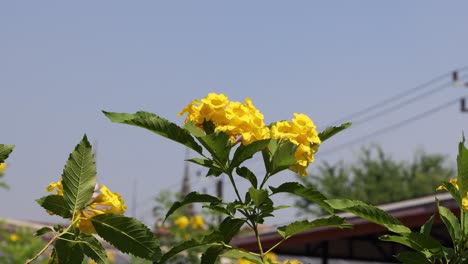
(427, 227)
(331, 131)
(453, 191)
(158, 125)
(179, 248)
(205, 163)
(218, 145)
(412, 258)
(128, 235)
(211, 254)
(55, 204)
(370, 213)
(239, 254)
(5, 151)
(301, 226)
(93, 249)
(451, 222)
(68, 251)
(246, 152)
(43, 230)
(462, 164)
(283, 156)
(258, 196)
(193, 197)
(230, 227)
(309, 193)
(247, 174)
(79, 176)
(194, 130)
(417, 241)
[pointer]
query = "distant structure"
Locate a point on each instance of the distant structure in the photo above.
(186, 187)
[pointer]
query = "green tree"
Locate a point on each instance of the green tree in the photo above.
(376, 178)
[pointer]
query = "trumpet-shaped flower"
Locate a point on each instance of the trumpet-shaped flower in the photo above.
(302, 132)
(453, 181)
(182, 222)
(105, 202)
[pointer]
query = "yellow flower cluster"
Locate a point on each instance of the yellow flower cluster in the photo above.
(196, 222)
(271, 258)
(454, 182)
(105, 202)
(242, 121)
(2, 167)
(302, 132)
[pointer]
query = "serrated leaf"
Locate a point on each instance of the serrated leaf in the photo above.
(55, 204)
(412, 258)
(67, 250)
(43, 230)
(283, 157)
(218, 145)
(156, 124)
(462, 165)
(239, 254)
(370, 213)
(93, 249)
(451, 222)
(247, 174)
(246, 152)
(179, 248)
(128, 235)
(193, 197)
(309, 193)
(427, 227)
(211, 254)
(333, 130)
(301, 226)
(5, 151)
(79, 176)
(258, 196)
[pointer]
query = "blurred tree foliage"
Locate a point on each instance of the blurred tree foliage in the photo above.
(375, 178)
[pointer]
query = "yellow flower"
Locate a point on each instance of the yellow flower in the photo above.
(14, 237)
(182, 222)
(55, 185)
(302, 132)
(2, 167)
(452, 181)
(239, 120)
(197, 222)
(292, 261)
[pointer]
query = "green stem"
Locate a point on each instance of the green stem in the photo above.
(265, 179)
(259, 243)
(234, 186)
(52, 241)
(275, 246)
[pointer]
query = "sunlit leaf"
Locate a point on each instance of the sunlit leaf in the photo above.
(369, 212)
(5, 151)
(309, 193)
(333, 130)
(156, 124)
(283, 157)
(128, 235)
(246, 152)
(258, 196)
(79, 176)
(451, 222)
(301, 226)
(218, 145)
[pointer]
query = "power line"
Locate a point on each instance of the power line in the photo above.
(390, 128)
(395, 97)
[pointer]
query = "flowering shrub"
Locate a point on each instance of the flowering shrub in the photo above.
(227, 133)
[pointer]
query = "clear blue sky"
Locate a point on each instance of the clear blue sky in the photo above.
(61, 63)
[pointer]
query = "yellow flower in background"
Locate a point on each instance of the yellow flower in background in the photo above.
(2, 167)
(292, 261)
(452, 181)
(14, 237)
(105, 202)
(197, 222)
(302, 132)
(182, 222)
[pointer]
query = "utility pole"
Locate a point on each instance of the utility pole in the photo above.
(458, 83)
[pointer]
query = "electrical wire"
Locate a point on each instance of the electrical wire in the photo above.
(389, 128)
